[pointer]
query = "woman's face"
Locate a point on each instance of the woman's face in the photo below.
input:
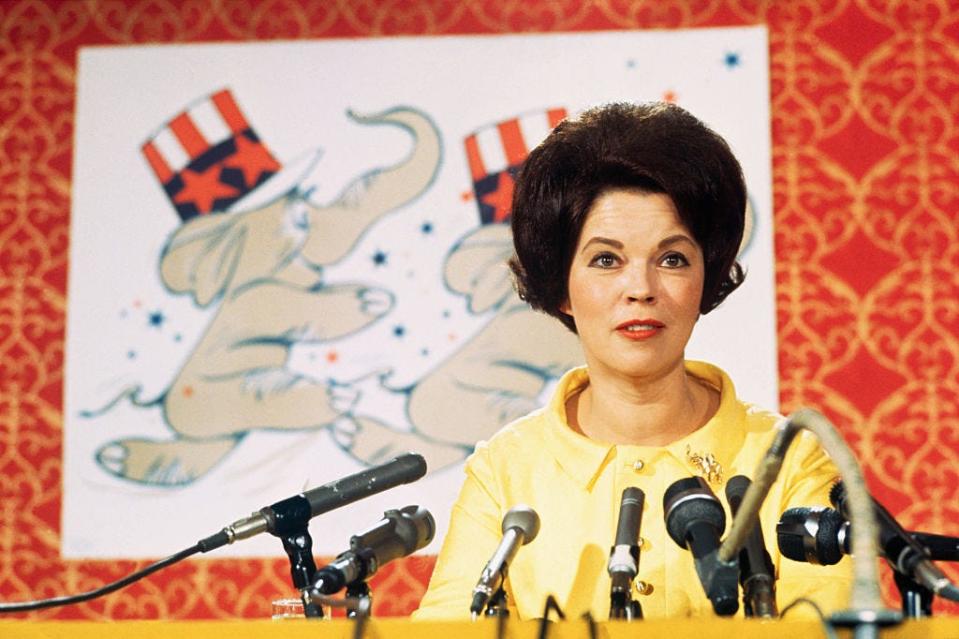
(635, 285)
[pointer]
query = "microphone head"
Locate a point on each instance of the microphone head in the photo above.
(415, 527)
(523, 518)
(735, 489)
(811, 535)
(409, 466)
(687, 501)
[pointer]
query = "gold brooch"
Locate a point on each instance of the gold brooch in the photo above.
(708, 467)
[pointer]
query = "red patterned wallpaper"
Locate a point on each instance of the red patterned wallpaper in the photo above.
(865, 97)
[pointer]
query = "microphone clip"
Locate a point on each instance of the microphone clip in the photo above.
(298, 545)
(496, 606)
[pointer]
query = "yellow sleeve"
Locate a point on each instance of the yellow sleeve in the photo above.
(809, 473)
(473, 536)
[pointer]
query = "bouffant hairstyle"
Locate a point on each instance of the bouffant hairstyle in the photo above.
(653, 147)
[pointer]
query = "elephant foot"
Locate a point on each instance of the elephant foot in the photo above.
(371, 442)
(163, 463)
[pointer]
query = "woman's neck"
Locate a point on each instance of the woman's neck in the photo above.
(648, 412)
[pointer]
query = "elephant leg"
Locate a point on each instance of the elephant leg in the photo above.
(163, 463)
(372, 442)
(276, 399)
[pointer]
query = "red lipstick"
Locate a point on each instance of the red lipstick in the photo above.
(640, 329)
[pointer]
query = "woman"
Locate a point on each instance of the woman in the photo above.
(642, 209)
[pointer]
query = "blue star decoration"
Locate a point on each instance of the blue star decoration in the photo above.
(731, 60)
(380, 257)
(399, 330)
(426, 228)
(156, 319)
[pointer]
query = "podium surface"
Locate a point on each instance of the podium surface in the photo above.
(935, 628)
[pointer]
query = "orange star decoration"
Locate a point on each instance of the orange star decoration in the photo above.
(203, 189)
(252, 159)
(502, 198)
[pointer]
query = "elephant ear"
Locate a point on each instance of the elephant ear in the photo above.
(477, 267)
(202, 256)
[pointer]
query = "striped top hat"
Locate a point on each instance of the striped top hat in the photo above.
(497, 151)
(209, 157)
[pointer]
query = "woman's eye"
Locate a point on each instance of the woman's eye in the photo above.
(604, 260)
(675, 260)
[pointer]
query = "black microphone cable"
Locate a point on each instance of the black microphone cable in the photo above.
(550, 605)
(39, 604)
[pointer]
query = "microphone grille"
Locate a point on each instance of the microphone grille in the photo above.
(525, 519)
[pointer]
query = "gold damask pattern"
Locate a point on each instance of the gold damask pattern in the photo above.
(865, 97)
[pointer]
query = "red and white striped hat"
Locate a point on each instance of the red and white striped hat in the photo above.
(496, 151)
(208, 158)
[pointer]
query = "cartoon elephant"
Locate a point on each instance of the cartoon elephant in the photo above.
(264, 268)
(496, 377)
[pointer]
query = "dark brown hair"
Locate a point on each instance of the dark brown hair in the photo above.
(654, 147)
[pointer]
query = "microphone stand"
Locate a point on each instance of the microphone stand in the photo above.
(361, 592)
(623, 606)
(291, 518)
(916, 599)
(496, 607)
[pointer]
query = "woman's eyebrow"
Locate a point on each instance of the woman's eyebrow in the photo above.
(674, 239)
(602, 240)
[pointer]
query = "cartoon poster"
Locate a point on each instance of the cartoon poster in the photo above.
(287, 265)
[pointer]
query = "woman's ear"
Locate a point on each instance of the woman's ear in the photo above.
(564, 307)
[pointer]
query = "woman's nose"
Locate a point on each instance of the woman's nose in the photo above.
(640, 285)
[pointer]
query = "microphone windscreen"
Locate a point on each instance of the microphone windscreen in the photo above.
(827, 539)
(791, 532)
(810, 535)
(735, 489)
(687, 501)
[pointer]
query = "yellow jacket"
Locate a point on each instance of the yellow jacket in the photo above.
(575, 485)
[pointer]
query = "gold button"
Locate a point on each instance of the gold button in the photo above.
(643, 544)
(639, 464)
(642, 587)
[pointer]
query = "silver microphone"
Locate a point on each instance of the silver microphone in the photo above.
(520, 526)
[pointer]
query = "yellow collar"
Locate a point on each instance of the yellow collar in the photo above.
(583, 459)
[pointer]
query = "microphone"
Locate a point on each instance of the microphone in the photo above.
(821, 536)
(400, 533)
(905, 554)
(520, 526)
(695, 519)
(288, 515)
(756, 573)
(624, 556)
(816, 535)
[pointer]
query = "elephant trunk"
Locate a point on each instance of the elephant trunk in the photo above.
(380, 191)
